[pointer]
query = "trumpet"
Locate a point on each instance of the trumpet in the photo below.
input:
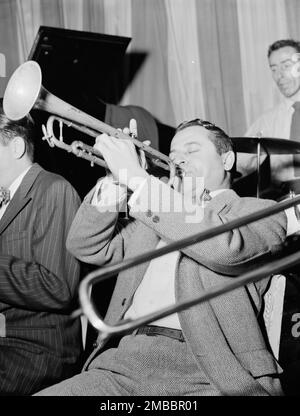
(105, 331)
(25, 92)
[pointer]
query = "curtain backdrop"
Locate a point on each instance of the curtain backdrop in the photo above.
(204, 58)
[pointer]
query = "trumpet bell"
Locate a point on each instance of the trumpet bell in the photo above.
(22, 90)
(25, 92)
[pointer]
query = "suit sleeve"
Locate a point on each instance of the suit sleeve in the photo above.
(47, 278)
(98, 236)
(163, 210)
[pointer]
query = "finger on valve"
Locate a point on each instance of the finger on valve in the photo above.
(142, 155)
(133, 128)
(132, 131)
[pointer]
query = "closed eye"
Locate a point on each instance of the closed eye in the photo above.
(193, 148)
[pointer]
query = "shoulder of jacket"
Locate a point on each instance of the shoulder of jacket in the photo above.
(49, 181)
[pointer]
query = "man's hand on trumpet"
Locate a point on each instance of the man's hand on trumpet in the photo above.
(122, 158)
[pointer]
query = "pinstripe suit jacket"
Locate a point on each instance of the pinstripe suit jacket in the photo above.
(39, 344)
(223, 333)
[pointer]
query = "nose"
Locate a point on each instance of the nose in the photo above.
(180, 167)
(180, 161)
(278, 73)
(178, 157)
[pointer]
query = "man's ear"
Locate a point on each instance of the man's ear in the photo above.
(18, 147)
(228, 160)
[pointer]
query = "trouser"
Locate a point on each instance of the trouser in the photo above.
(141, 365)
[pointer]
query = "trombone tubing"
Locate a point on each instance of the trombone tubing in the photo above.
(107, 271)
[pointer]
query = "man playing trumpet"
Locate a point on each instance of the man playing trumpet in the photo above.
(214, 348)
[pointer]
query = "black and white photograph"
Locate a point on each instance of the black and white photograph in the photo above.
(149, 202)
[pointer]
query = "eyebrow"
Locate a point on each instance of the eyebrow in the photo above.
(187, 144)
(282, 62)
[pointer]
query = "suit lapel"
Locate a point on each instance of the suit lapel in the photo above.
(21, 197)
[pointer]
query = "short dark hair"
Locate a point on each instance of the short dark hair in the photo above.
(23, 128)
(219, 138)
(282, 44)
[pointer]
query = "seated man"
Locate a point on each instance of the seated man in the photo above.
(214, 348)
(39, 343)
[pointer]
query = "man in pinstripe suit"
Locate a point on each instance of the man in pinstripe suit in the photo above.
(215, 348)
(39, 343)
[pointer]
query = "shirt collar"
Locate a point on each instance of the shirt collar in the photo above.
(207, 195)
(217, 191)
(288, 103)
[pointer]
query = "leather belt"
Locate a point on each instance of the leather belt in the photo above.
(153, 330)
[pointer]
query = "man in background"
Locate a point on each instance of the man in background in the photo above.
(39, 343)
(282, 121)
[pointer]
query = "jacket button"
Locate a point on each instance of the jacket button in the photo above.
(123, 301)
(95, 344)
(149, 213)
(155, 218)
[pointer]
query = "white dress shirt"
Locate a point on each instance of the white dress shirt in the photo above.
(275, 123)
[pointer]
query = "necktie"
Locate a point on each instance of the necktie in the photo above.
(4, 196)
(205, 197)
(295, 135)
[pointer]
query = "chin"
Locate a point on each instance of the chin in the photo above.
(286, 93)
(289, 94)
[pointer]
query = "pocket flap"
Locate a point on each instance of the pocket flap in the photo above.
(259, 362)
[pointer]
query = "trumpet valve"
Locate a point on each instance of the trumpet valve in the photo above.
(92, 162)
(47, 136)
